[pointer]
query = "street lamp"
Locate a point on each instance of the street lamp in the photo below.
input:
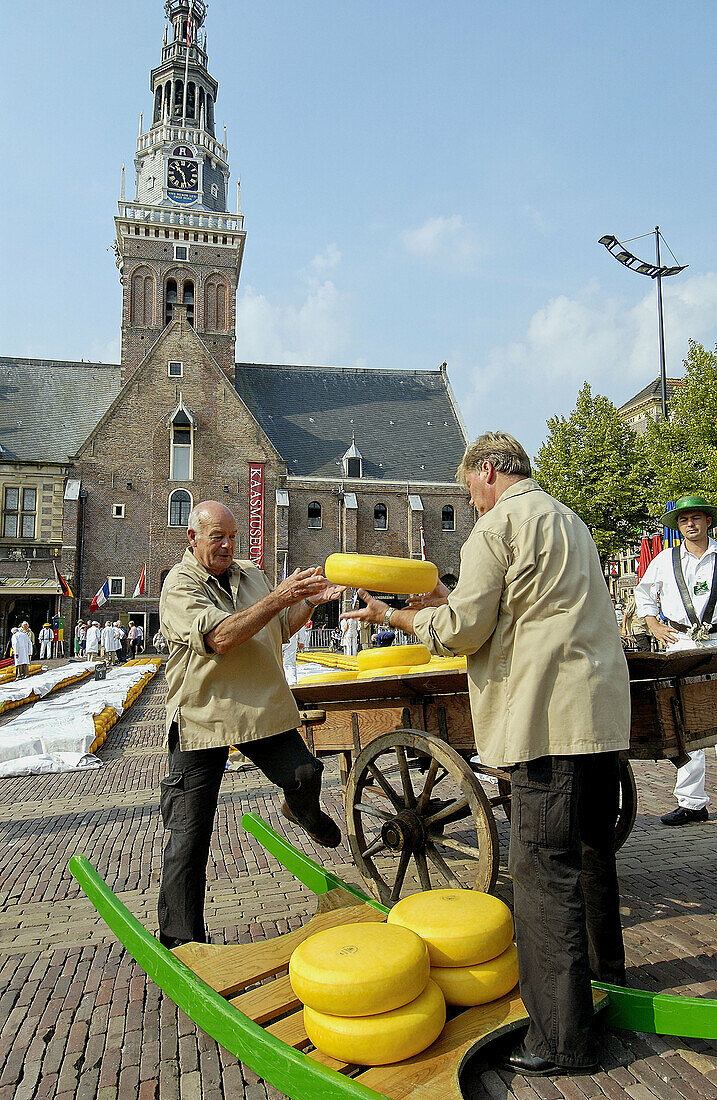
(653, 271)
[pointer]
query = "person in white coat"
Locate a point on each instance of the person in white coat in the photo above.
(349, 637)
(21, 651)
(47, 637)
(680, 586)
(92, 641)
(110, 642)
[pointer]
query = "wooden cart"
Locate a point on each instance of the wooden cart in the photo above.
(420, 806)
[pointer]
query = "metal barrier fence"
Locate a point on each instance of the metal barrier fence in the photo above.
(323, 638)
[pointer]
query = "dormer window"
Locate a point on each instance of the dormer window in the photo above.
(353, 461)
(181, 426)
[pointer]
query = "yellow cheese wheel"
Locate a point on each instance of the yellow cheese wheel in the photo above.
(386, 656)
(459, 927)
(327, 677)
(447, 664)
(476, 985)
(385, 673)
(381, 1039)
(359, 969)
(381, 574)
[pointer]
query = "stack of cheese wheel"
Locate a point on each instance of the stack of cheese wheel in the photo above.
(469, 938)
(390, 660)
(377, 573)
(367, 993)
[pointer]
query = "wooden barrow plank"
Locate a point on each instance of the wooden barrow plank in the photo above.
(267, 1002)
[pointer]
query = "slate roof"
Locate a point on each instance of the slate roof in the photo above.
(48, 408)
(653, 390)
(405, 423)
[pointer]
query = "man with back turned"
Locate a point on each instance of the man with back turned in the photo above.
(549, 697)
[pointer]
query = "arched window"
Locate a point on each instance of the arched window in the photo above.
(158, 104)
(188, 299)
(168, 97)
(178, 96)
(314, 511)
(191, 98)
(210, 114)
(141, 309)
(201, 100)
(170, 300)
(215, 305)
(448, 518)
(380, 517)
(180, 505)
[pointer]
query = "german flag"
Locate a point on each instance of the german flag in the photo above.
(66, 590)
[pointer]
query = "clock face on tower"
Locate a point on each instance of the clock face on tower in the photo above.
(183, 175)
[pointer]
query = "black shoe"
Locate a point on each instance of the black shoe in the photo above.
(524, 1062)
(328, 834)
(683, 816)
(170, 942)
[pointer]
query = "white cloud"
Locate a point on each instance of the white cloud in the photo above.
(591, 337)
(313, 330)
(326, 260)
(447, 239)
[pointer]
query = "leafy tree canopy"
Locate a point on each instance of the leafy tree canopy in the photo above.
(594, 462)
(682, 451)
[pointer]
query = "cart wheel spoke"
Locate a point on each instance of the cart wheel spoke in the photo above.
(455, 807)
(454, 845)
(442, 867)
(400, 874)
(373, 811)
(420, 858)
(373, 849)
(428, 787)
(385, 786)
(409, 796)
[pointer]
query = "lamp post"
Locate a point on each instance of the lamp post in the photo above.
(653, 271)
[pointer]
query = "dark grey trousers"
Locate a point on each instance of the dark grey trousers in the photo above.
(188, 801)
(566, 897)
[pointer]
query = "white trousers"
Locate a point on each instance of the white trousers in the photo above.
(45, 650)
(690, 784)
(290, 669)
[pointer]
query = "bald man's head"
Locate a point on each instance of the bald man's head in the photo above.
(212, 533)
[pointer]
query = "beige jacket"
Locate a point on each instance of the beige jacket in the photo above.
(546, 671)
(230, 698)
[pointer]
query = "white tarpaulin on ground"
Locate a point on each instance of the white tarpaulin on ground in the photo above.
(42, 683)
(56, 735)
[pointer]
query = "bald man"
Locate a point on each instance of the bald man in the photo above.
(226, 686)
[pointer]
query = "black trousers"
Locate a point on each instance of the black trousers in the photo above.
(566, 897)
(188, 802)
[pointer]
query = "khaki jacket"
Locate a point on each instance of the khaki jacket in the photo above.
(546, 671)
(229, 698)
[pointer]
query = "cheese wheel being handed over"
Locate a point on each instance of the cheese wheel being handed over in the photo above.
(377, 573)
(387, 656)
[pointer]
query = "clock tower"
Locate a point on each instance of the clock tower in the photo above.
(177, 243)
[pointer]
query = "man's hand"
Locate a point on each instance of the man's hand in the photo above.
(660, 630)
(329, 592)
(373, 612)
(436, 598)
(302, 584)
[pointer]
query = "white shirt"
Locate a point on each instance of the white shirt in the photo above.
(658, 591)
(92, 640)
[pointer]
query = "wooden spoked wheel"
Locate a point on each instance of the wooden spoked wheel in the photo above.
(627, 810)
(418, 818)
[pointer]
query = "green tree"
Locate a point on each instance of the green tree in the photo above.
(683, 450)
(594, 462)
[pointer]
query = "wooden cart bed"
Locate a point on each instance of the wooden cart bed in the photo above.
(240, 996)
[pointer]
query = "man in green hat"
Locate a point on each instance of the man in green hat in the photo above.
(677, 597)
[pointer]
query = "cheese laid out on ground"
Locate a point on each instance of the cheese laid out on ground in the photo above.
(387, 656)
(476, 985)
(384, 673)
(381, 574)
(327, 678)
(359, 969)
(381, 1039)
(459, 927)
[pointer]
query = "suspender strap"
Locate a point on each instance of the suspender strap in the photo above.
(684, 592)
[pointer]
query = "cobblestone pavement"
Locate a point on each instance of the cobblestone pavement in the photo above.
(79, 1020)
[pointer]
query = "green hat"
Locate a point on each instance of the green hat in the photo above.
(691, 503)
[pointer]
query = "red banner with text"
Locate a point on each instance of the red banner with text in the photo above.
(256, 513)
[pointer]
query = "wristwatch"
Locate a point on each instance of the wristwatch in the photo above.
(387, 617)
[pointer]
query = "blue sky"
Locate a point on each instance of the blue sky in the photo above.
(419, 183)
